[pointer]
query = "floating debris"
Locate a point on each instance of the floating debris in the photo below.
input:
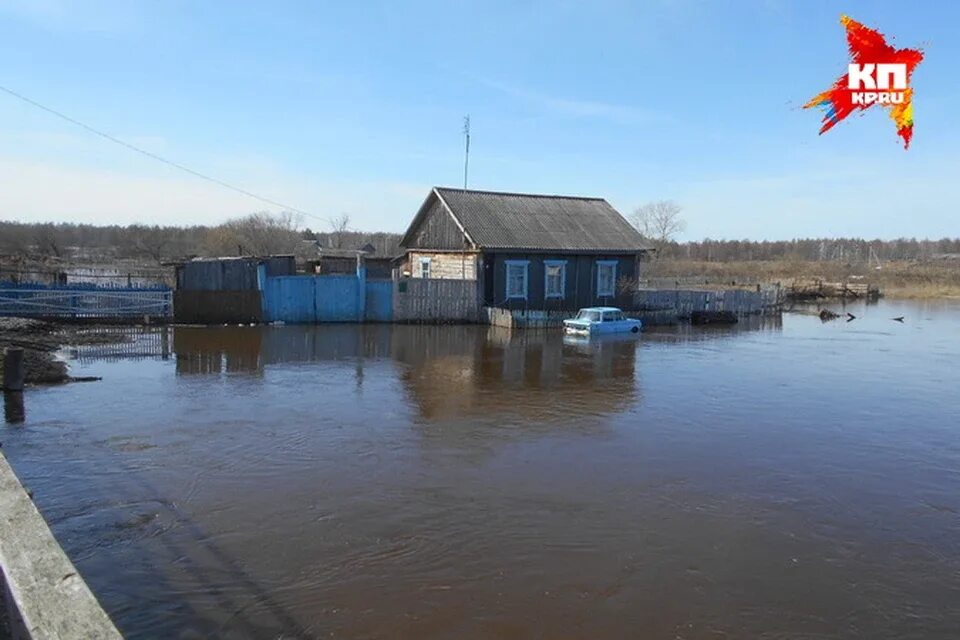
(826, 315)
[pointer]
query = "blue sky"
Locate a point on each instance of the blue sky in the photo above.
(357, 108)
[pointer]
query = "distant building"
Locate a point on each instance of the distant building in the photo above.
(314, 258)
(527, 251)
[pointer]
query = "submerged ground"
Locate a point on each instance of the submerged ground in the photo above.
(782, 479)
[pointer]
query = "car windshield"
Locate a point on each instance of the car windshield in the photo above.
(586, 314)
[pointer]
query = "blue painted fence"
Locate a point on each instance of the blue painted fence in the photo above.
(85, 301)
(335, 298)
(379, 302)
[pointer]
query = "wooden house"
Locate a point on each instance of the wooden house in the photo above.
(534, 252)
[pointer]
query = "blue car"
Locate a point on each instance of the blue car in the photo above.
(601, 320)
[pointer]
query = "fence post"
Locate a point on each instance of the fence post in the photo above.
(14, 375)
(14, 371)
(13, 410)
(361, 289)
(261, 287)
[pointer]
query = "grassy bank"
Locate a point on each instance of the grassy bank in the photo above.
(896, 279)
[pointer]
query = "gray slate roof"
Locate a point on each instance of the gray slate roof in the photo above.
(495, 220)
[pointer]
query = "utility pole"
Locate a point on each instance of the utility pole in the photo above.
(466, 158)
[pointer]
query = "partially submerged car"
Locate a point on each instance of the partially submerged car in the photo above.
(601, 320)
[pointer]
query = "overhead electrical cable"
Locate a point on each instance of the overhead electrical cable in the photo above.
(154, 156)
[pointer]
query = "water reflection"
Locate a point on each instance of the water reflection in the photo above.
(532, 358)
(203, 351)
(533, 376)
(448, 371)
(13, 409)
(686, 332)
(458, 372)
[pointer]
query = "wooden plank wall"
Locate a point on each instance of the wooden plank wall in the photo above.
(43, 594)
(686, 301)
(435, 300)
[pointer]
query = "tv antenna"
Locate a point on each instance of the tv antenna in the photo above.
(466, 157)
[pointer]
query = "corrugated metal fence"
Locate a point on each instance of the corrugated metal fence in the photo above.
(230, 274)
(310, 299)
(379, 302)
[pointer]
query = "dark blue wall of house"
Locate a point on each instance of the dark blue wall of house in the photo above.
(580, 287)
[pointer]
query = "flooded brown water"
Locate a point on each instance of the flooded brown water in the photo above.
(785, 479)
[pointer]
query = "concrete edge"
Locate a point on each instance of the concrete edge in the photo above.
(44, 595)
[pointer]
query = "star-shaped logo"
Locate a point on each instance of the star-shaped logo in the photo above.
(878, 74)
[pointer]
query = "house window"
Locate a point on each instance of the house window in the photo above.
(554, 278)
(424, 267)
(606, 278)
(517, 279)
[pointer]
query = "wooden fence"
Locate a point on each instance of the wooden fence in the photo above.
(42, 593)
(116, 274)
(435, 300)
(684, 302)
(817, 289)
(525, 319)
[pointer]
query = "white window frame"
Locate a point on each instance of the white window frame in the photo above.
(563, 279)
(603, 293)
(428, 262)
(525, 264)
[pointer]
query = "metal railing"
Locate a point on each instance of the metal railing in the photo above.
(78, 303)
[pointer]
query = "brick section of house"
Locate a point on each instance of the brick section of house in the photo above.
(445, 265)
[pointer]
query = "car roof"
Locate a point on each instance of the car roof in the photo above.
(601, 309)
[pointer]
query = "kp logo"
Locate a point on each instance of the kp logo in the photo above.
(878, 75)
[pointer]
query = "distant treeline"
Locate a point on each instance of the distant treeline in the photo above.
(261, 234)
(847, 250)
(256, 234)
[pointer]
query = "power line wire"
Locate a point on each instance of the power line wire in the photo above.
(154, 156)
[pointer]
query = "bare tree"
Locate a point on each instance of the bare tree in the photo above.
(15, 238)
(152, 242)
(48, 241)
(659, 221)
(339, 228)
(258, 234)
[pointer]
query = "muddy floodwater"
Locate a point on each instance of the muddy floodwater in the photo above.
(781, 479)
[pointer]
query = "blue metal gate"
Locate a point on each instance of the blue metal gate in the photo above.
(335, 298)
(379, 304)
(40, 301)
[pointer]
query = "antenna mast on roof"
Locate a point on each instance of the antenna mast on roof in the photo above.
(466, 158)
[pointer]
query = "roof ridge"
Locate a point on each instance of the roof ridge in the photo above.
(525, 195)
